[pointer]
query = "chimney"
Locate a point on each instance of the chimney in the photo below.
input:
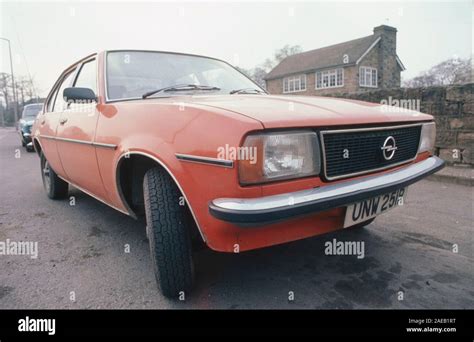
(388, 74)
(389, 37)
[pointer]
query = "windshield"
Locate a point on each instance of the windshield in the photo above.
(30, 112)
(130, 74)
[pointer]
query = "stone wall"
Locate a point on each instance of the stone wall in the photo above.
(452, 108)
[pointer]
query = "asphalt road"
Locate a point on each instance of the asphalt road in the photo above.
(81, 249)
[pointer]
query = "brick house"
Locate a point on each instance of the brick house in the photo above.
(357, 65)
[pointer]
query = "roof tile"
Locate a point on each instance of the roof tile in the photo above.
(325, 57)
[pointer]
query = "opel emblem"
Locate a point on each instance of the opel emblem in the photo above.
(389, 148)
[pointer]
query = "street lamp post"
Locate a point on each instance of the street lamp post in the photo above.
(15, 107)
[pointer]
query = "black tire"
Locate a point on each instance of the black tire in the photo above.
(362, 224)
(168, 227)
(54, 186)
(30, 149)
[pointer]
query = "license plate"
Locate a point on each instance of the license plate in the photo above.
(365, 210)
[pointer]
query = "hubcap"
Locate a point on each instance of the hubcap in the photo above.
(46, 175)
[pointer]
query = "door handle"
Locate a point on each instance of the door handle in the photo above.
(63, 121)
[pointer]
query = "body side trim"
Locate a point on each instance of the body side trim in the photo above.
(77, 141)
(204, 160)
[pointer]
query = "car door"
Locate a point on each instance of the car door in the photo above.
(75, 136)
(48, 122)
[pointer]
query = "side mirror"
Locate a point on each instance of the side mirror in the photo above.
(79, 95)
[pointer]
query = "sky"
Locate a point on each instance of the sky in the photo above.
(46, 37)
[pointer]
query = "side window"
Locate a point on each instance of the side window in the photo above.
(87, 77)
(50, 104)
(59, 103)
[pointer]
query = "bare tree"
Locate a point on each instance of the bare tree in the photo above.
(25, 89)
(258, 76)
(280, 55)
(5, 96)
(286, 51)
(4, 84)
(451, 71)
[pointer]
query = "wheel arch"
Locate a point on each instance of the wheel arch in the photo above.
(37, 146)
(143, 161)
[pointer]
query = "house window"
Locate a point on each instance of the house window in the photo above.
(294, 83)
(330, 78)
(368, 77)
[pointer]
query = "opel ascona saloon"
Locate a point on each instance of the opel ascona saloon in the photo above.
(204, 153)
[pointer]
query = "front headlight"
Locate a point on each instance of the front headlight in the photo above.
(280, 155)
(427, 137)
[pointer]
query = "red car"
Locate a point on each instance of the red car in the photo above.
(205, 153)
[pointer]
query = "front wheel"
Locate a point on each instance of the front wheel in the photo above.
(54, 186)
(168, 227)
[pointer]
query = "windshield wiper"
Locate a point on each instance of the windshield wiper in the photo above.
(247, 91)
(180, 87)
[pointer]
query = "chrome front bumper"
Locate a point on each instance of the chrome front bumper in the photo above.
(256, 211)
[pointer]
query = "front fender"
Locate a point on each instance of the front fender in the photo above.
(162, 131)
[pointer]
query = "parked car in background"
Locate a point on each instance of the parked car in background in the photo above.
(204, 153)
(28, 117)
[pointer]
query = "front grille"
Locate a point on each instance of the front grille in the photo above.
(358, 151)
